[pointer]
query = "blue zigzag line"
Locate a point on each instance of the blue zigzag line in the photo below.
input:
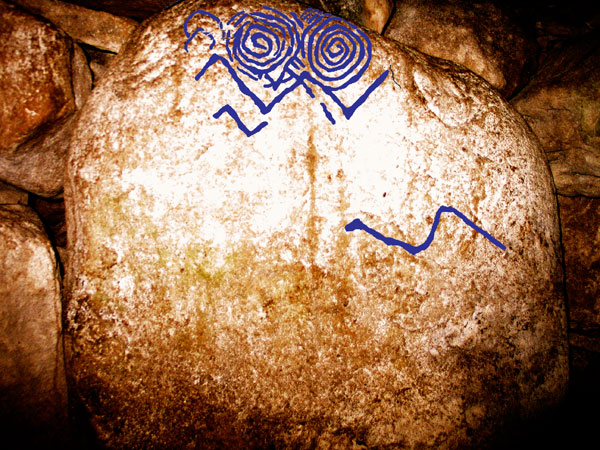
(229, 110)
(356, 224)
(348, 111)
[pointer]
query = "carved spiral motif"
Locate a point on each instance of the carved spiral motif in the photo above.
(337, 52)
(262, 41)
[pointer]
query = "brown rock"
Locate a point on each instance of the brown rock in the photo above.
(10, 195)
(81, 76)
(562, 106)
(371, 14)
(35, 76)
(38, 165)
(97, 28)
(580, 222)
(215, 299)
(476, 35)
(33, 400)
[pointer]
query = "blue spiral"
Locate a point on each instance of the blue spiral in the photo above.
(262, 41)
(337, 52)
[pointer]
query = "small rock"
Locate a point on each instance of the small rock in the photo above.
(35, 76)
(476, 35)
(33, 400)
(562, 107)
(97, 28)
(38, 165)
(11, 195)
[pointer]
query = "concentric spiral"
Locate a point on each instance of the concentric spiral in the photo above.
(262, 41)
(338, 53)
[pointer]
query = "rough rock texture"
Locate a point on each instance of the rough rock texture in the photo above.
(371, 14)
(562, 106)
(35, 76)
(97, 28)
(81, 76)
(137, 9)
(215, 299)
(44, 79)
(33, 394)
(38, 165)
(580, 222)
(10, 195)
(477, 35)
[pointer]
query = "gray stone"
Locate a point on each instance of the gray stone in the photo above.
(215, 299)
(97, 28)
(477, 35)
(562, 107)
(33, 397)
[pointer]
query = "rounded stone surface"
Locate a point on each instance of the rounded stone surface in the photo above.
(215, 298)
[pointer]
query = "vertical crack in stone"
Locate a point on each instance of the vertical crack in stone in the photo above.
(312, 231)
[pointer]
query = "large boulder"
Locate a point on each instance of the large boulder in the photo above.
(221, 293)
(33, 392)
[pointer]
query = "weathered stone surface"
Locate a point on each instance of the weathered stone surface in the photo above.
(35, 76)
(137, 9)
(11, 195)
(562, 106)
(580, 223)
(81, 76)
(38, 165)
(215, 299)
(371, 14)
(33, 401)
(97, 28)
(477, 35)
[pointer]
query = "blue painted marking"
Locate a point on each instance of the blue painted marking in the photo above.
(357, 224)
(229, 110)
(327, 113)
(317, 48)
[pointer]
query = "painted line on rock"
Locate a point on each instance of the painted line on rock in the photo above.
(229, 110)
(357, 224)
(287, 51)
